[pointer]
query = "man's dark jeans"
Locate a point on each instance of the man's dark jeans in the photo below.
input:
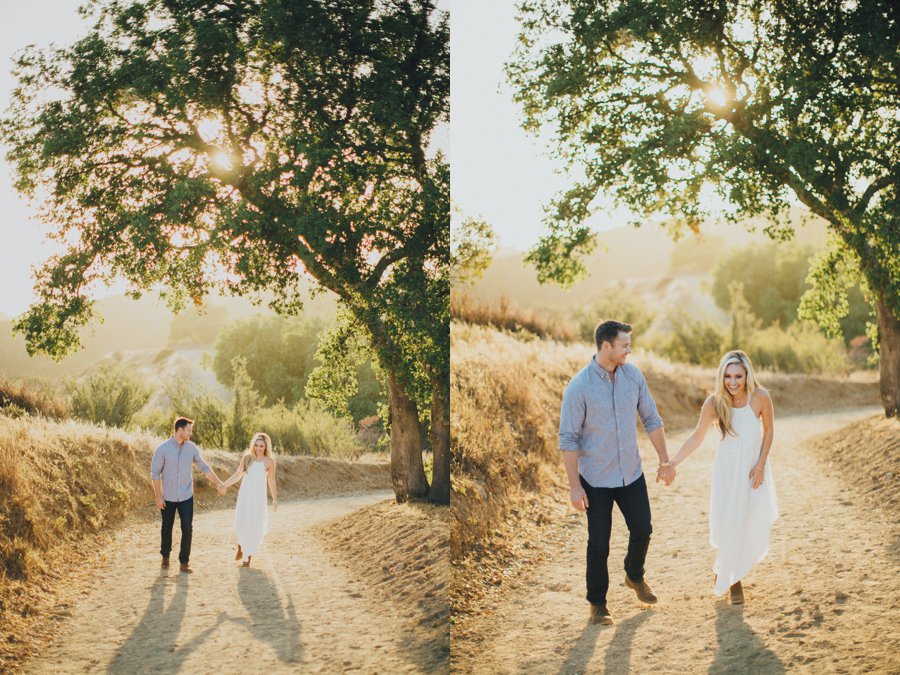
(186, 516)
(635, 507)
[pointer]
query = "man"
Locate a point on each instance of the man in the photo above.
(598, 440)
(173, 483)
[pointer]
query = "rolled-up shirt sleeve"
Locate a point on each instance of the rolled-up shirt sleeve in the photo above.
(571, 419)
(647, 408)
(157, 463)
(200, 462)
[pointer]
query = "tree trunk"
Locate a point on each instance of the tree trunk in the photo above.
(889, 343)
(440, 440)
(407, 470)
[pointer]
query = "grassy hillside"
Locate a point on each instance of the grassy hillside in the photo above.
(66, 485)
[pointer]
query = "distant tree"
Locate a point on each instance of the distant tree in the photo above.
(766, 102)
(278, 353)
(111, 396)
(237, 146)
(245, 405)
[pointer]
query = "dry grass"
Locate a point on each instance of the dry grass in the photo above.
(503, 315)
(401, 551)
(505, 397)
(66, 485)
(874, 474)
(32, 397)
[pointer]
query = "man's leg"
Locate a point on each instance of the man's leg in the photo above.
(635, 507)
(599, 519)
(186, 517)
(168, 522)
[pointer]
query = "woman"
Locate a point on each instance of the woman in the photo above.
(742, 504)
(251, 519)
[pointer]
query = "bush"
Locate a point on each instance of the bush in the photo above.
(799, 349)
(111, 396)
(308, 429)
(207, 411)
(616, 305)
(689, 340)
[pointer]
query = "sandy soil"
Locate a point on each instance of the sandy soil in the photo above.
(824, 600)
(296, 609)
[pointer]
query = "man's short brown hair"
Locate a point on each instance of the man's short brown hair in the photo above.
(182, 422)
(608, 331)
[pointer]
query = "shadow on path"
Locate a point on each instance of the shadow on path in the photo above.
(269, 620)
(152, 644)
(618, 653)
(740, 649)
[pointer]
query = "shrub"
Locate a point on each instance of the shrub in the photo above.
(799, 349)
(111, 396)
(308, 429)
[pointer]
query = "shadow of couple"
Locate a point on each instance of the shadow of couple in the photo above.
(154, 643)
(740, 649)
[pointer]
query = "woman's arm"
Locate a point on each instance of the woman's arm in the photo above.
(270, 479)
(707, 417)
(235, 477)
(767, 415)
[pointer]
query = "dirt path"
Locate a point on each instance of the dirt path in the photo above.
(826, 598)
(294, 610)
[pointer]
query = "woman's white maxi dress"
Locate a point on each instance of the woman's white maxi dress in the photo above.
(740, 518)
(251, 517)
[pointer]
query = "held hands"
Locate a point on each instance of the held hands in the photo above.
(757, 473)
(665, 473)
(221, 489)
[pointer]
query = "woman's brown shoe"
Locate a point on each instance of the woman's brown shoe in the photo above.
(238, 555)
(246, 563)
(737, 594)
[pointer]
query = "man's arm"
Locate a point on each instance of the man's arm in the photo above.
(577, 495)
(653, 425)
(156, 468)
(206, 468)
(571, 421)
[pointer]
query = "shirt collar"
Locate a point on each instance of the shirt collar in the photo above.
(599, 370)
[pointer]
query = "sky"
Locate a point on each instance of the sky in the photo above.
(499, 172)
(22, 236)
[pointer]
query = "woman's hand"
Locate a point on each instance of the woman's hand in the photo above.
(757, 473)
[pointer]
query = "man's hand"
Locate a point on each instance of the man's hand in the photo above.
(665, 474)
(578, 497)
(160, 503)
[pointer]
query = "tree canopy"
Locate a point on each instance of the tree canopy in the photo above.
(192, 145)
(760, 104)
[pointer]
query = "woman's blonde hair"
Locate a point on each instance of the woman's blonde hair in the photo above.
(248, 455)
(724, 403)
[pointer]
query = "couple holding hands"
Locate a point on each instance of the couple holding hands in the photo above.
(173, 484)
(598, 440)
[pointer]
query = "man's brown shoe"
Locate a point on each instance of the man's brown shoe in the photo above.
(185, 568)
(737, 594)
(165, 562)
(600, 615)
(642, 590)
